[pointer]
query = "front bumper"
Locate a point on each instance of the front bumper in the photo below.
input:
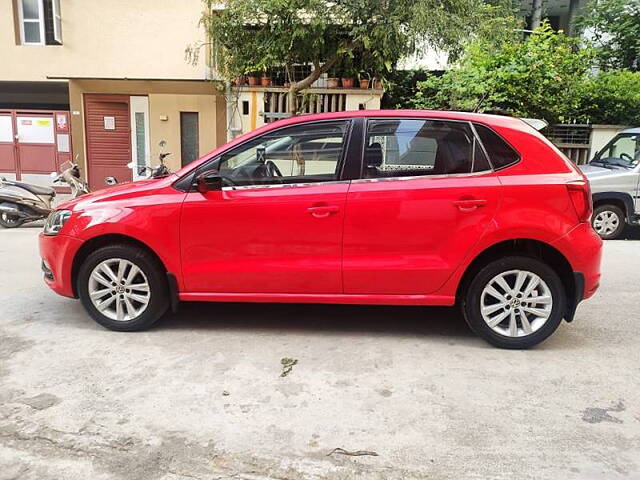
(58, 252)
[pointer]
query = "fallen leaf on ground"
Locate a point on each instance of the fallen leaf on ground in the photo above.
(356, 453)
(287, 365)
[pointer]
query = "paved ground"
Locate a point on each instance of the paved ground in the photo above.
(201, 396)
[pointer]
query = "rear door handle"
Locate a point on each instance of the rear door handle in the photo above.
(323, 210)
(469, 204)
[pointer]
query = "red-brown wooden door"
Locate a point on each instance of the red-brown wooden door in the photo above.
(108, 133)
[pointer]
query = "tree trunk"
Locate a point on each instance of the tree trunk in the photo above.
(536, 14)
(297, 87)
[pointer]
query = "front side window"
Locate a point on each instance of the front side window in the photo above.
(412, 147)
(298, 154)
(622, 151)
(40, 22)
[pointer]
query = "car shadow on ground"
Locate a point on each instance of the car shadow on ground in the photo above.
(630, 233)
(325, 319)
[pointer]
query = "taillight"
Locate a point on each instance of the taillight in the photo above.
(580, 194)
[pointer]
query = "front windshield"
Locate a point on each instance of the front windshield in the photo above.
(622, 151)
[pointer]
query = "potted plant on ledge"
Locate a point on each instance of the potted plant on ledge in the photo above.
(348, 73)
(365, 78)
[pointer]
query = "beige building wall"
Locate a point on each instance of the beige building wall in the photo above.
(164, 113)
(601, 135)
(166, 99)
(107, 39)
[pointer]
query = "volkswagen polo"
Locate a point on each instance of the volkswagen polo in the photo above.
(369, 207)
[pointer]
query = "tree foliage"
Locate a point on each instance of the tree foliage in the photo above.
(254, 35)
(611, 97)
(614, 28)
(539, 77)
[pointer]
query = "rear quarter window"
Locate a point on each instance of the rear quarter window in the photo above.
(501, 154)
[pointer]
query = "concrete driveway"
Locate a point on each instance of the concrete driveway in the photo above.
(201, 395)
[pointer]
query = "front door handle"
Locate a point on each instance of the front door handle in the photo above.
(323, 211)
(469, 204)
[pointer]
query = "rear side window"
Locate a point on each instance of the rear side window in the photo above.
(412, 147)
(500, 152)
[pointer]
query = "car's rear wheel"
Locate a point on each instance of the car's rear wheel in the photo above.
(515, 302)
(10, 221)
(608, 221)
(123, 287)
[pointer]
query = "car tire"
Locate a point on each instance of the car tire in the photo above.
(123, 287)
(534, 320)
(10, 221)
(608, 221)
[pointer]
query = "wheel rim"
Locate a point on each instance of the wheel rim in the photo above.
(119, 289)
(516, 303)
(10, 219)
(606, 222)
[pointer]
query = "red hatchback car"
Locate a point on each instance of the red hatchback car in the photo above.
(370, 207)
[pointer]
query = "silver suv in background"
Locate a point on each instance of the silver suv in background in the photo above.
(614, 175)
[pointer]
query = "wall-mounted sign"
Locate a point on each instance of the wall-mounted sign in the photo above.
(35, 129)
(61, 122)
(63, 142)
(109, 123)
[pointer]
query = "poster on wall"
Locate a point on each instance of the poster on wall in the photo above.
(109, 123)
(35, 129)
(62, 124)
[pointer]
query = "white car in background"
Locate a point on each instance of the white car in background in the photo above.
(614, 175)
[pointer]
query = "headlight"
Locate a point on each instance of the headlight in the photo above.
(55, 221)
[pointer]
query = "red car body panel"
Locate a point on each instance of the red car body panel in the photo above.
(264, 240)
(407, 236)
(385, 241)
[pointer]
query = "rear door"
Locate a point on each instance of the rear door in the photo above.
(426, 195)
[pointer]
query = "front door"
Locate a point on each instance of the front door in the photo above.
(277, 225)
(427, 196)
(108, 131)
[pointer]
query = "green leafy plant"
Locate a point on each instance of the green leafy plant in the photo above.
(611, 97)
(540, 76)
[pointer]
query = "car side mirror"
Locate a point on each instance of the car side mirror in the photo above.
(209, 181)
(110, 181)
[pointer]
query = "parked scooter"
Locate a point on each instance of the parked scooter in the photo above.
(149, 172)
(22, 202)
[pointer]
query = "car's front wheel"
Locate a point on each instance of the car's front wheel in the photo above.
(608, 221)
(123, 287)
(515, 302)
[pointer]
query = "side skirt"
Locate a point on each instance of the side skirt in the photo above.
(431, 300)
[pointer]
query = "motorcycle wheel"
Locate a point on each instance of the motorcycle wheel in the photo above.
(10, 221)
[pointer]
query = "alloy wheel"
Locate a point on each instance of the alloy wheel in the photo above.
(119, 289)
(606, 222)
(516, 303)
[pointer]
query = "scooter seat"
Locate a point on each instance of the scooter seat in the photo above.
(36, 189)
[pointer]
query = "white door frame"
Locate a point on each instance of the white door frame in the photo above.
(139, 104)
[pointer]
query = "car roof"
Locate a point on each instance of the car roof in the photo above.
(495, 120)
(631, 130)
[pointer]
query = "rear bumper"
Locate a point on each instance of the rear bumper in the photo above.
(583, 249)
(57, 254)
